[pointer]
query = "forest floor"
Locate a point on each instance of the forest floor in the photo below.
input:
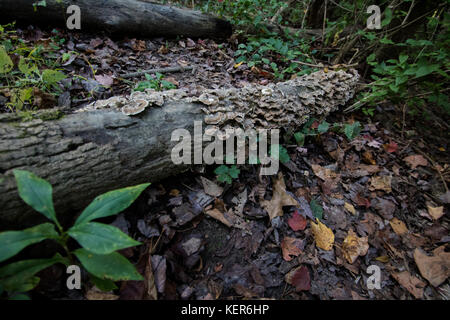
(383, 195)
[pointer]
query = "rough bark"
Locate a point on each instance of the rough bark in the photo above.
(86, 153)
(132, 17)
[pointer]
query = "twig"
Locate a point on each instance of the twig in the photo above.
(343, 8)
(409, 12)
(304, 16)
(320, 65)
(160, 70)
(280, 11)
(324, 23)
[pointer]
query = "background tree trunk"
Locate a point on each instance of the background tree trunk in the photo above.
(132, 17)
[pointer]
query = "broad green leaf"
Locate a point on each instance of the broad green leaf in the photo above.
(111, 203)
(104, 285)
(426, 69)
(300, 138)
(394, 88)
(323, 127)
(6, 63)
(111, 266)
(223, 169)
(225, 177)
(283, 154)
(12, 242)
(101, 238)
(234, 172)
(316, 209)
(36, 192)
(19, 296)
(28, 284)
(403, 58)
(16, 275)
(387, 17)
(52, 76)
(352, 130)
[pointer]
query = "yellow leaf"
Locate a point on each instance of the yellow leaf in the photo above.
(353, 247)
(323, 235)
(350, 208)
(441, 149)
(237, 65)
(398, 226)
(384, 259)
(325, 70)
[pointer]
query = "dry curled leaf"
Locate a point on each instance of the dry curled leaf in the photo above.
(350, 208)
(416, 160)
(297, 221)
(435, 212)
(381, 183)
(412, 284)
(436, 268)
(211, 188)
(323, 235)
(398, 226)
(330, 177)
(216, 214)
(299, 278)
(280, 198)
(291, 246)
(353, 247)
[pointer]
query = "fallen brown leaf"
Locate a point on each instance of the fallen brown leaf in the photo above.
(412, 284)
(381, 183)
(416, 160)
(299, 278)
(291, 246)
(216, 214)
(353, 247)
(435, 212)
(211, 188)
(436, 268)
(280, 198)
(398, 226)
(297, 221)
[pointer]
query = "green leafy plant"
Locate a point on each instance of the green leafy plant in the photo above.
(283, 154)
(281, 56)
(157, 83)
(227, 174)
(316, 209)
(313, 128)
(352, 130)
(99, 242)
(36, 72)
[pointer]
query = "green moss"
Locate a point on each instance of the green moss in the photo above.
(25, 116)
(46, 115)
(51, 115)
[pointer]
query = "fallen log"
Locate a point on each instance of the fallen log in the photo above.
(127, 17)
(100, 148)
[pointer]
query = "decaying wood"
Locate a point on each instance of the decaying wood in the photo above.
(86, 153)
(131, 17)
